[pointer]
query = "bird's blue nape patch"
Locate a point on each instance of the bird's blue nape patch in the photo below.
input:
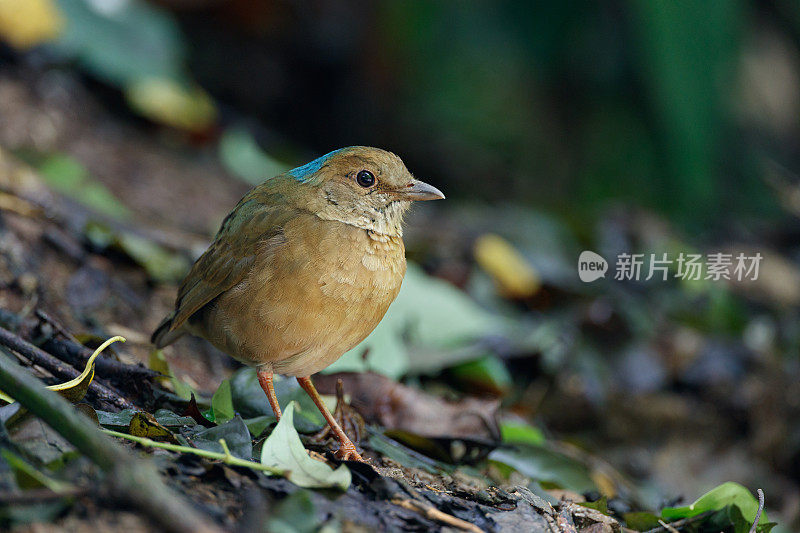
(305, 172)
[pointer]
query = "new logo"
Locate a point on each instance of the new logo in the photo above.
(591, 266)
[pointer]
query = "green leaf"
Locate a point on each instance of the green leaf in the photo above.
(520, 433)
(258, 424)
(641, 521)
(120, 419)
(598, 505)
(283, 449)
(222, 403)
(236, 436)
(486, 374)
(242, 156)
(407, 457)
(167, 418)
(294, 514)
(716, 499)
(544, 465)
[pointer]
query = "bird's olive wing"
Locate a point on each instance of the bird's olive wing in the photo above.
(252, 228)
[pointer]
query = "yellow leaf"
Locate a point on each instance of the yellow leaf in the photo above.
(26, 23)
(514, 276)
(145, 425)
(75, 389)
(167, 101)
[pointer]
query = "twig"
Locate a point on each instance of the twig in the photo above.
(70, 350)
(77, 354)
(226, 456)
(678, 524)
(760, 510)
(131, 480)
(668, 527)
(58, 368)
(55, 324)
(432, 513)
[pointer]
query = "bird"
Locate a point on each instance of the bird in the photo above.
(302, 270)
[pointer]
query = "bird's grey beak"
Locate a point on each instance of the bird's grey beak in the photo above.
(419, 190)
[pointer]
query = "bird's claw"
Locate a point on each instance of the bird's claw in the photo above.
(347, 452)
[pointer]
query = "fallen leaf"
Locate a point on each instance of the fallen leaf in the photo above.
(383, 401)
(514, 276)
(235, 434)
(283, 449)
(145, 425)
(75, 389)
(160, 264)
(546, 466)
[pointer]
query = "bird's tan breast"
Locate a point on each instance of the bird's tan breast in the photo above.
(314, 297)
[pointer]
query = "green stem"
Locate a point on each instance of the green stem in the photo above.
(225, 457)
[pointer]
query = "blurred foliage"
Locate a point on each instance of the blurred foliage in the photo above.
(68, 176)
(573, 103)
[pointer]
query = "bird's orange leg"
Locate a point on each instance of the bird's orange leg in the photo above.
(265, 379)
(347, 449)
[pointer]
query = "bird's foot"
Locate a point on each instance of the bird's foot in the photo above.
(347, 452)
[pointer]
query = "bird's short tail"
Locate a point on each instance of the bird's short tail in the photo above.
(162, 336)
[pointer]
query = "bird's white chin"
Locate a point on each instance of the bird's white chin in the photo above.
(388, 220)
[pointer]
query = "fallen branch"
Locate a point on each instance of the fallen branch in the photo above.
(132, 481)
(58, 368)
(432, 513)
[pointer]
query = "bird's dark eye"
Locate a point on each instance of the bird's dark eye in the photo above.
(365, 178)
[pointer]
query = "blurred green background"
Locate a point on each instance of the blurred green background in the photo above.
(677, 106)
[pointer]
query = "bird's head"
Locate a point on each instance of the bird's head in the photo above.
(365, 187)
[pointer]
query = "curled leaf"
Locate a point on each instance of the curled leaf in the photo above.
(75, 389)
